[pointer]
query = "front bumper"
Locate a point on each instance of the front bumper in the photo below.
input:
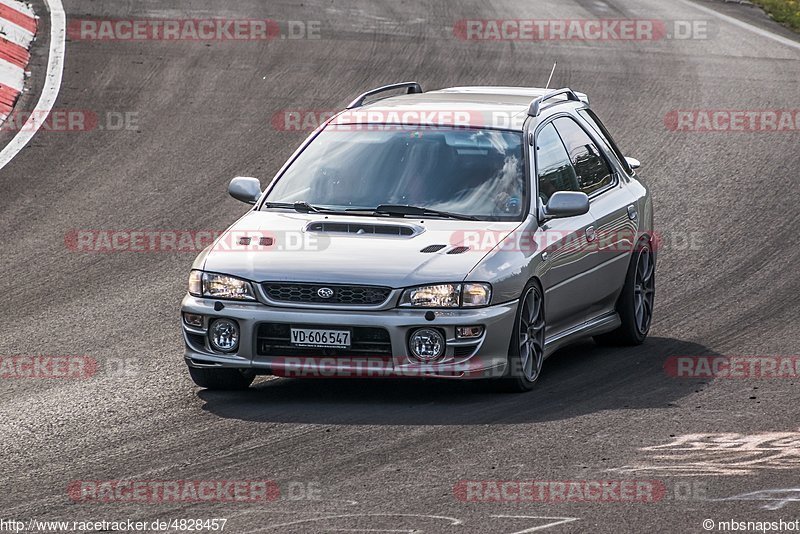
(479, 358)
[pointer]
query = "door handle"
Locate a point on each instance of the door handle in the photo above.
(591, 234)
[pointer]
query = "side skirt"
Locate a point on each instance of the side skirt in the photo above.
(593, 327)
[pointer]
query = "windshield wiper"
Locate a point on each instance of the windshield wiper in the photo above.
(301, 206)
(384, 209)
(403, 210)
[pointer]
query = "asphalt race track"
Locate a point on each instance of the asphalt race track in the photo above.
(380, 456)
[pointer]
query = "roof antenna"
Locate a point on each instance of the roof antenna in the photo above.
(551, 75)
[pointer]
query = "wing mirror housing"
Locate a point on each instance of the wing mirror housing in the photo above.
(566, 204)
(245, 189)
(633, 163)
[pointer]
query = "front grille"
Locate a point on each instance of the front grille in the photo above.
(273, 339)
(353, 295)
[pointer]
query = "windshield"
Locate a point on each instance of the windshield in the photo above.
(473, 172)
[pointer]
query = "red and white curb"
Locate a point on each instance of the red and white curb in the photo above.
(52, 78)
(17, 29)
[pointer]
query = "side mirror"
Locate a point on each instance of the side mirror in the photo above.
(245, 189)
(566, 204)
(633, 163)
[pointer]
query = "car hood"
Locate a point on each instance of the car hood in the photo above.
(299, 247)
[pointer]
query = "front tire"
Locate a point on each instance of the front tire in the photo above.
(635, 304)
(526, 353)
(221, 378)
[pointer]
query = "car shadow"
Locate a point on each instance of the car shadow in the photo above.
(577, 380)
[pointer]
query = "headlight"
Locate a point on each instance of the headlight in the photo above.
(447, 296)
(219, 286)
(438, 296)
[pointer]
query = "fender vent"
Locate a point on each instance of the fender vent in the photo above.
(458, 250)
(383, 230)
(263, 241)
(430, 249)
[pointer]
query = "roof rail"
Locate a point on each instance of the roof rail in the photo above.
(536, 105)
(413, 88)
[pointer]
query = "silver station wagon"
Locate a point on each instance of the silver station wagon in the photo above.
(462, 233)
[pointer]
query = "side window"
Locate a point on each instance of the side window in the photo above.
(594, 122)
(552, 163)
(593, 170)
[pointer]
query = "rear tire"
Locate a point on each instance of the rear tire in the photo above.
(526, 351)
(635, 304)
(221, 378)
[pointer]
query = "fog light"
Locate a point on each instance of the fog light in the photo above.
(223, 334)
(426, 344)
(192, 319)
(469, 332)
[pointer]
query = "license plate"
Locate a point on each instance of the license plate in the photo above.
(308, 337)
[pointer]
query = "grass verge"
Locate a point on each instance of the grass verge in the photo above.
(787, 12)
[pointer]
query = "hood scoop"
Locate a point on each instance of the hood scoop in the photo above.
(361, 229)
(458, 250)
(430, 249)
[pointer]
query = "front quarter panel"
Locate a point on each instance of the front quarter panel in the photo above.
(511, 263)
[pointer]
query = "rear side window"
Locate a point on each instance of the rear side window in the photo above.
(553, 166)
(590, 165)
(595, 122)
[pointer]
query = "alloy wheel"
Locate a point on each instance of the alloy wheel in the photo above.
(531, 334)
(644, 290)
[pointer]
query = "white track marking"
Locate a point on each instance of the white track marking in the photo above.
(749, 27)
(452, 520)
(775, 498)
(52, 83)
(721, 454)
(369, 530)
(556, 521)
